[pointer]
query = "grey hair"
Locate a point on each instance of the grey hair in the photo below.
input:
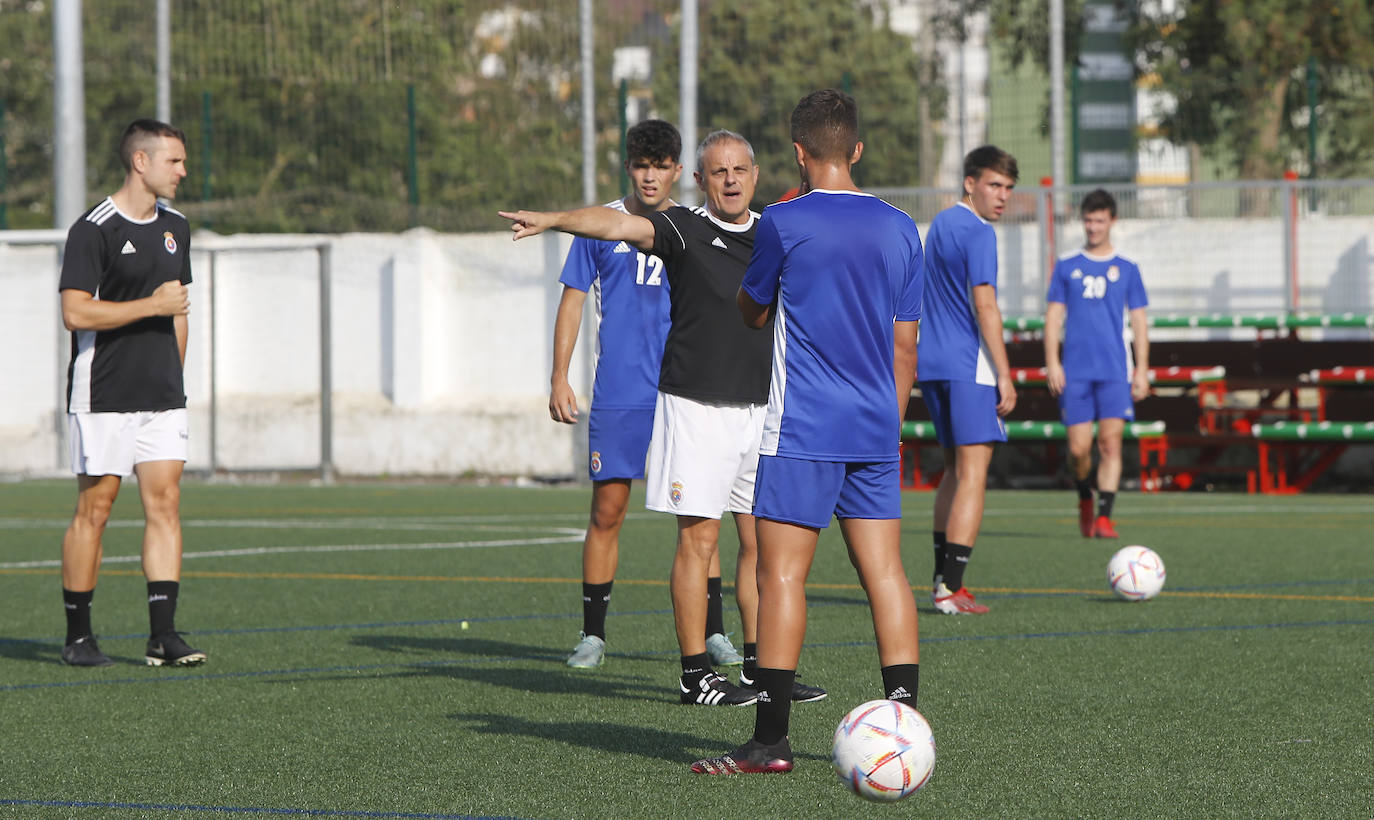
(720, 136)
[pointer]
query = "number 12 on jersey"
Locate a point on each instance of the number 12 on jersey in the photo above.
(650, 270)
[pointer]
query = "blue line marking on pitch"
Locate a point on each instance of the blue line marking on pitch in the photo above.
(170, 807)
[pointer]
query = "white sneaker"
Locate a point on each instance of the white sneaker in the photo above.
(589, 653)
(722, 652)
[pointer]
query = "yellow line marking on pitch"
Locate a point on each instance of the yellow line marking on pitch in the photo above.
(350, 576)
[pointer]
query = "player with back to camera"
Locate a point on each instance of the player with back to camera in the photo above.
(965, 377)
(123, 290)
(631, 306)
(842, 271)
(713, 385)
(1096, 380)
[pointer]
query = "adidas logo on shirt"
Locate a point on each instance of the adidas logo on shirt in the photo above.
(128, 248)
(718, 243)
(622, 248)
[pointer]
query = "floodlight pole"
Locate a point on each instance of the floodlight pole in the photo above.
(164, 60)
(687, 100)
(588, 103)
(1057, 91)
(69, 115)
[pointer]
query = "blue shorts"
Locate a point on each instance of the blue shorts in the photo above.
(1084, 401)
(963, 412)
(798, 491)
(618, 442)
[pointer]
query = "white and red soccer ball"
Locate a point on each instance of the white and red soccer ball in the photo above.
(1135, 573)
(883, 751)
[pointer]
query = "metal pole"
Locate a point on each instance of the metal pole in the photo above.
(687, 99)
(326, 372)
(588, 103)
(622, 101)
(69, 115)
(1290, 238)
(1057, 90)
(413, 176)
(214, 349)
(164, 60)
(4, 172)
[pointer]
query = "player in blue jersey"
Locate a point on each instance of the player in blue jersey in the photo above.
(630, 295)
(712, 396)
(964, 375)
(841, 270)
(1090, 292)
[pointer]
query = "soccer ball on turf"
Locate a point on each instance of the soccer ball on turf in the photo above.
(1135, 573)
(883, 750)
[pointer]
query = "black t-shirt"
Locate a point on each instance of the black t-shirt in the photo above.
(711, 355)
(137, 366)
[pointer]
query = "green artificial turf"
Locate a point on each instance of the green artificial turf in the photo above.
(342, 683)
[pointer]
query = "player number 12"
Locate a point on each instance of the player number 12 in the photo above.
(654, 266)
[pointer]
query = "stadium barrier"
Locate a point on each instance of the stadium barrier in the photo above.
(918, 435)
(1293, 454)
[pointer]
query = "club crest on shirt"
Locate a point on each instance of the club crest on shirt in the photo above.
(1077, 274)
(596, 461)
(675, 492)
(1113, 273)
(169, 242)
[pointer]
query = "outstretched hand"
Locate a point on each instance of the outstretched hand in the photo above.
(526, 223)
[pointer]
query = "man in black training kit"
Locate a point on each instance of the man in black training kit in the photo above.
(712, 394)
(123, 288)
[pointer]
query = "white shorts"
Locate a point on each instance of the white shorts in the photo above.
(112, 443)
(703, 457)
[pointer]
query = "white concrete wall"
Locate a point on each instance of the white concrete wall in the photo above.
(441, 343)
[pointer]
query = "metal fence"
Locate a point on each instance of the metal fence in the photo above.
(1292, 246)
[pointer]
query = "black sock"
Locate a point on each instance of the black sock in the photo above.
(774, 706)
(596, 599)
(694, 668)
(1085, 489)
(715, 607)
(78, 606)
(939, 539)
(956, 561)
(900, 682)
(751, 661)
(1105, 500)
(162, 606)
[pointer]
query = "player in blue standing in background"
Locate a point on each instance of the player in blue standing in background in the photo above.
(842, 271)
(631, 309)
(1090, 292)
(965, 377)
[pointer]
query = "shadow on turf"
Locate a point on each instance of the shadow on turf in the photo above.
(23, 649)
(642, 741)
(435, 658)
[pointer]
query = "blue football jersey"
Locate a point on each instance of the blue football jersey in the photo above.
(630, 297)
(842, 266)
(961, 252)
(1096, 292)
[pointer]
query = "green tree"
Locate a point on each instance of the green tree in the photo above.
(757, 59)
(1232, 67)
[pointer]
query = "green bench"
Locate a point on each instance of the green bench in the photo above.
(1293, 454)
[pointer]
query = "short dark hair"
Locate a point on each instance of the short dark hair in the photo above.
(1098, 200)
(991, 158)
(825, 124)
(654, 140)
(139, 136)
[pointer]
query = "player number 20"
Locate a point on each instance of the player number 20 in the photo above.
(1094, 287)
(650, 270)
